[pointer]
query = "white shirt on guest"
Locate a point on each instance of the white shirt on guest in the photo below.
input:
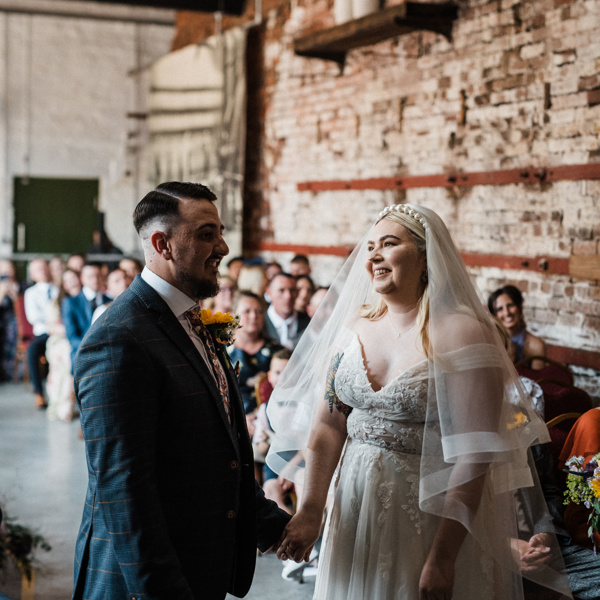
(90, 295)
(37, 298)
(179, 303)
(286, 328)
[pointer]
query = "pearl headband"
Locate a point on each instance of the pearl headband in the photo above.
(407, 210)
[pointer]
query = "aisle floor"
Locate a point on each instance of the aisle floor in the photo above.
(43, 480)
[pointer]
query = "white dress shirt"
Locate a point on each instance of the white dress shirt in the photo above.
(37, 299)
(286, 328)
(91, 295)
(179, 303)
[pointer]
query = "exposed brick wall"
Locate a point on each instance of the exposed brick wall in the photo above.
(510, 90)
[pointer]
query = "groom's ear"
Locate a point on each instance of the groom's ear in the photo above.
(162, 244)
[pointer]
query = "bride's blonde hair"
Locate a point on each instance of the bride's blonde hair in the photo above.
(378, 307)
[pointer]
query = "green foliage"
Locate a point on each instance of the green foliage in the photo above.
(18, 544)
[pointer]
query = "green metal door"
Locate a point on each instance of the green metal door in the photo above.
(54, 215)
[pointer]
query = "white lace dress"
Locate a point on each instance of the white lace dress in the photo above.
(377, 538)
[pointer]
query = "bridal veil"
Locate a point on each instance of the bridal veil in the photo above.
(479, 420)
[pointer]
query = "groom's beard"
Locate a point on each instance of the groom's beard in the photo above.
(196, 288)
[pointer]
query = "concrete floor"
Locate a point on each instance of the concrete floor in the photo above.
(43, 480)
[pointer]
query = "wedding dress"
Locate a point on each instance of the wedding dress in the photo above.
(417, 449)
(377, 538)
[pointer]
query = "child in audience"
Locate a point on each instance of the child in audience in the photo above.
(274, 489)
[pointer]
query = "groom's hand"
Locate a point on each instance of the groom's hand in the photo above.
(299, 536)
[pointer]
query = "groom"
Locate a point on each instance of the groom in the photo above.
(172, 509)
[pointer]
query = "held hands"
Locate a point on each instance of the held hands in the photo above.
(300, 535)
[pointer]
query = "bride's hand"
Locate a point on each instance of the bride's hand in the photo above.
(300, 535)
(437, 580)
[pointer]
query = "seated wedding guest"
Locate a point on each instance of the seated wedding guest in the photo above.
(535, 546)
(306, 288)
(223, 301)
(75, 262)
(506, 304)
(77, 311)
(251, 349)
(530, 387)
(315, 301)
(283, 322)
(272, 269)
(37, 299)
(583, 440)
(116, 283)
(299, 265)
(131, 266)
(275, 489)
(233, 267)
(252, 278)
(71, 282)
(9, 293)
(59, 384)
(105, 269)
(57, 268)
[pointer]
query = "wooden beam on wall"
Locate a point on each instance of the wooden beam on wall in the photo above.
(538, 264)
(503, 177)
(344, 251)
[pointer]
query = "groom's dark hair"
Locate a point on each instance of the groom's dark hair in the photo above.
(163, 202)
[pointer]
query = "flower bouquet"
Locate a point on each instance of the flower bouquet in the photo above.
(583, 487)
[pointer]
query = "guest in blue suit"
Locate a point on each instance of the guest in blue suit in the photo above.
(172, 509)
(77, 310)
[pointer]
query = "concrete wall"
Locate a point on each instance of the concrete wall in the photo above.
(66, 87)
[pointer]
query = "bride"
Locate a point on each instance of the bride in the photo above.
(402, 375)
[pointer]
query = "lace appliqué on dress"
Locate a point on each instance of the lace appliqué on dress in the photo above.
(384, 493)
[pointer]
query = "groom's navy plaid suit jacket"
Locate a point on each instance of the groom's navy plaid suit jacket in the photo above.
(172, 510)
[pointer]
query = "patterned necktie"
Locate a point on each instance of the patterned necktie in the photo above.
(193, 316)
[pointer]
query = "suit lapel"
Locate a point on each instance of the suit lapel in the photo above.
(176, 333)
(270, 330)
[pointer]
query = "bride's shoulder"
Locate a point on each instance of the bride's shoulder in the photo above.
(458, 329)
(362, 326)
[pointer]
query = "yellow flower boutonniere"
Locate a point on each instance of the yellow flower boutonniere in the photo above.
(221, 326)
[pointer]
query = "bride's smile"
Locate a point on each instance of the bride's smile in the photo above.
(393, 261)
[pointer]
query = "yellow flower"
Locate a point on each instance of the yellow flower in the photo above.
(595, 485)
(520, 419)
(209, 319)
